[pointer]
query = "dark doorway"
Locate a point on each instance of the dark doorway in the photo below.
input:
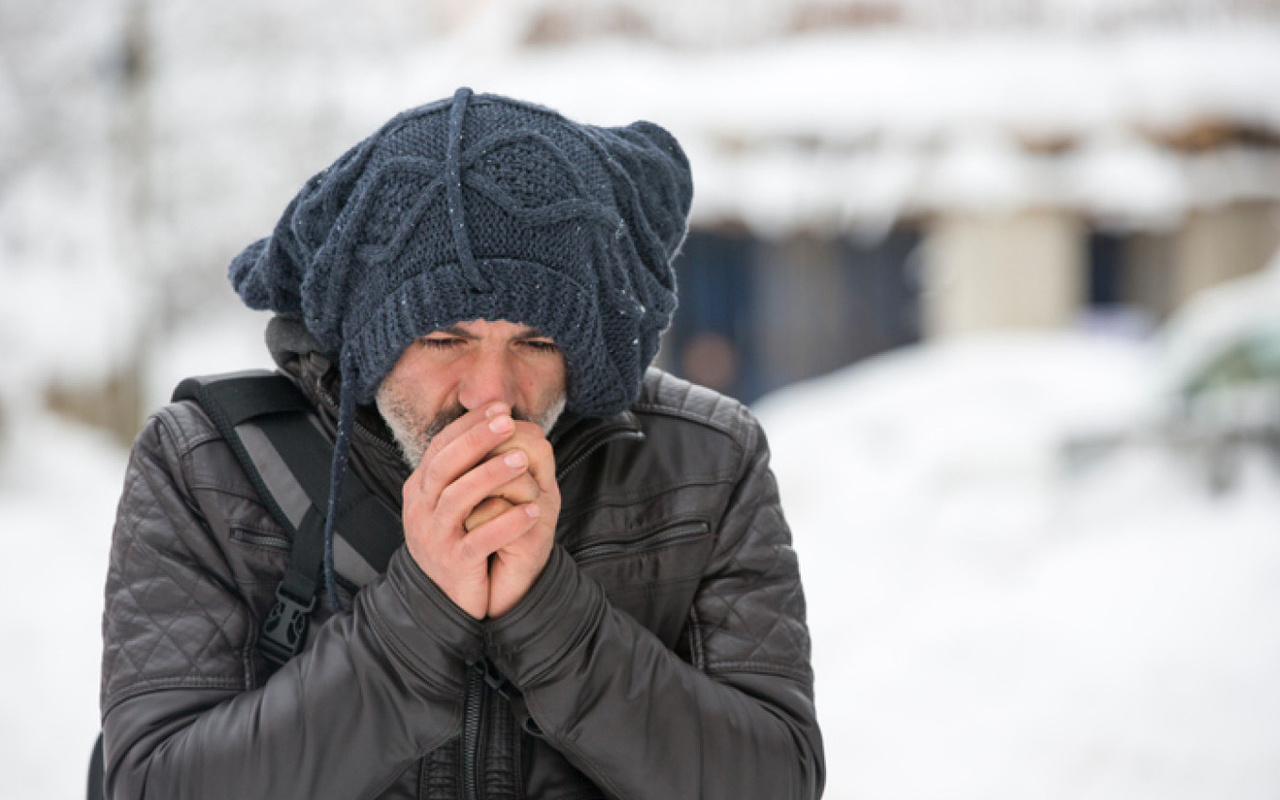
(756, 315)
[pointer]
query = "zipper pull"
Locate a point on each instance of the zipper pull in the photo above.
(495, 679)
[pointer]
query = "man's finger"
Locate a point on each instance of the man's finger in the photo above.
(467, 448)
(457, 500)
(473, 417)
(542, 460)
(500, 531)
(491, 508)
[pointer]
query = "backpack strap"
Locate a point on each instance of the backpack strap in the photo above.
(273, 431)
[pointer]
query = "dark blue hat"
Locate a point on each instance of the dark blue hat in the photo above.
(482, 207)
(485, 208)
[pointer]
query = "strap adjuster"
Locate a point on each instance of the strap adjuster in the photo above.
(285, 631)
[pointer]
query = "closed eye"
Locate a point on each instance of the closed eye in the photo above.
(541, 345)
(442, 343)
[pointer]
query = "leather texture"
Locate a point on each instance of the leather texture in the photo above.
(662, 653)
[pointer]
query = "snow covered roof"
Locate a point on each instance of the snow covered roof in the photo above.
(848, 128)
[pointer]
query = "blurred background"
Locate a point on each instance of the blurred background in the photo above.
(995, 275)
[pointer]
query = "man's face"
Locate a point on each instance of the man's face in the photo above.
(454, 370)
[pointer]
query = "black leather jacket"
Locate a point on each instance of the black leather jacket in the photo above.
(663, 652)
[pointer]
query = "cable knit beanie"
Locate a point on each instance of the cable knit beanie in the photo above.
(485, 208)
(482, 207)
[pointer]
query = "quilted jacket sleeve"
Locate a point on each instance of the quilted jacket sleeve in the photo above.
(643, 723)
(182, 717)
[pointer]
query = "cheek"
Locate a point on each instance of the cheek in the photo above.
(427, 386)
(411, 399)
(545, 383)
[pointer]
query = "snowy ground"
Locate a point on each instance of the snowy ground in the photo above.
(58, 490)
(986, 624)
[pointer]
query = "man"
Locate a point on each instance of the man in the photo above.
(595, 595)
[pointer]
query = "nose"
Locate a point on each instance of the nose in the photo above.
(486, 378)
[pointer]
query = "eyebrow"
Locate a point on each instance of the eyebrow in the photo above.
(454, 330)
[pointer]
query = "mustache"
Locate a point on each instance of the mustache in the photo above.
(451, 414)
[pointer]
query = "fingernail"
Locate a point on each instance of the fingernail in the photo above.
(494, 410)
(515, 460)
(532, 510)
(501, 424)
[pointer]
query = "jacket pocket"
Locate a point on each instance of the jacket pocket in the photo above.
(257, 538)
(651, 575)
(668, 536)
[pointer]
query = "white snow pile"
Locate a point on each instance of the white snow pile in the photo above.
(1216, 320)
(59, 484)
(986, 625)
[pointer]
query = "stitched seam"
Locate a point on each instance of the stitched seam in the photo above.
(576, 640)
(698, 654)
(161, 572)
(405, 654)
(624, 499)
(650, 586)
(758, 668)
(149, 685)
(665, 411)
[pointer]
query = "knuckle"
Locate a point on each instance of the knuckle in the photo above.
(468, 550)
(449, 499)
(528, 488)
(438, 443)
(478, 437)
(435, 473)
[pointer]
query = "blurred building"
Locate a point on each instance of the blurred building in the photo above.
(868, 173)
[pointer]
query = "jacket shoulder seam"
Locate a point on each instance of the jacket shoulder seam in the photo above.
(675, 413)
(185, 440)
(151, 685)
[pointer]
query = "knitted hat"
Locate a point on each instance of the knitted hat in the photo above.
(482, 207)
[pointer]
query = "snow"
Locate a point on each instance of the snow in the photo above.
(227, 340)
(1216, 319)
(59, 485)
(989, 624)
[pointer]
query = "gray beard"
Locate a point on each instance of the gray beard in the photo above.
(413, 437)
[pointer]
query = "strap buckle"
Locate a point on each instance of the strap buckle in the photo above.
(285, 631)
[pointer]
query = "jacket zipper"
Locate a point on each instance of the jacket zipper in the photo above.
(471, 723)
(482, 674)
(259, 539)
(371, 438)
(595, 444)
(676, 533)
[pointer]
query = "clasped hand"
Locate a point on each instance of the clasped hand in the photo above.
(480, 510)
